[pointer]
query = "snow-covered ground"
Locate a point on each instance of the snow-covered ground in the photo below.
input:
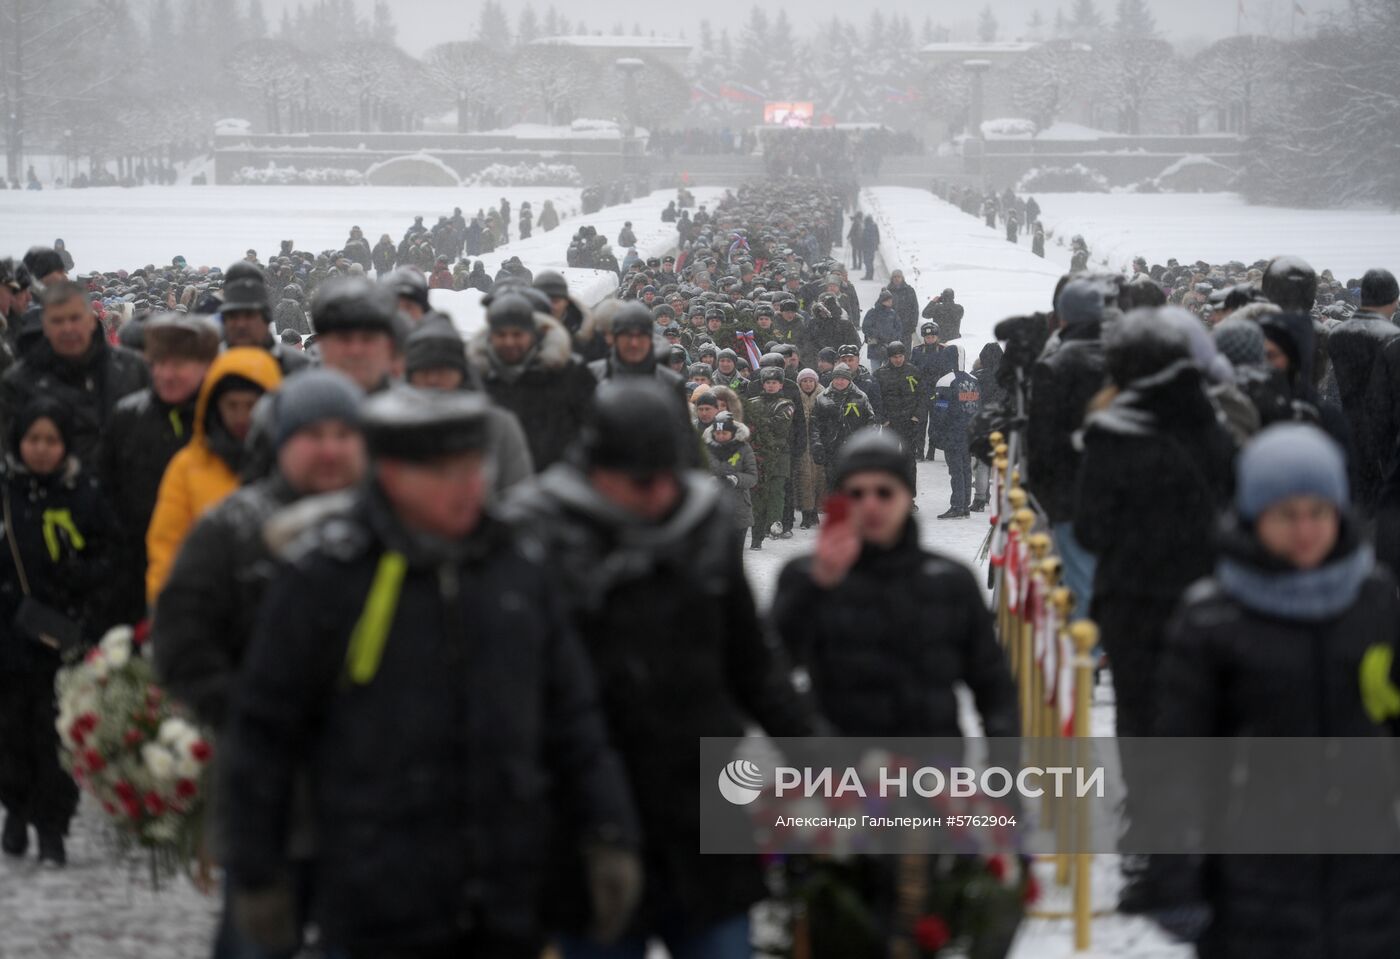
(1218, 228)
(113, 228)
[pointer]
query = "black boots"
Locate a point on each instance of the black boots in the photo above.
(51, 849)
(15, 840)
(809, 519)
(954, 512)
(757, 539)
(979, 505)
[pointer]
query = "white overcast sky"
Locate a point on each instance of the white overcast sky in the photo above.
(1193, 23)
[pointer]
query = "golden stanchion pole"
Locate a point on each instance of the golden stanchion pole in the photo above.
(1063, 600)
(1024, 519)
(999, 578)
(1016, 501)
(1085, 636)
(1039, 546)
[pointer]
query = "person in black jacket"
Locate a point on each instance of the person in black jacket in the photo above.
(145, 431)
(415, 659)
(73, 364)
(1354, 347)
(1063, 381)
(384, 256)
(887, 631)
(906, 304)
(637, 541)
(947, 314)
(246, 315)
(59, 527)
(205, 615)
(905, 396)
(1155, 474)
(1278, 642)
(526, 362)
(885, 628)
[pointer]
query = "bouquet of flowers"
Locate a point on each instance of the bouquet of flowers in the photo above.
(126, 745)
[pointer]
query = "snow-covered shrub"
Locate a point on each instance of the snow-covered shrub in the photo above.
(1195, 174)
(1009, 127)
(525, 174)
(274, 175)
(1055, 179)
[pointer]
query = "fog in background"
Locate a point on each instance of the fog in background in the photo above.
(1192, 23)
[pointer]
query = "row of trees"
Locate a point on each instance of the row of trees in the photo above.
(1332, 136)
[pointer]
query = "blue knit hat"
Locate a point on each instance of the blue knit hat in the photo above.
(1289, 459)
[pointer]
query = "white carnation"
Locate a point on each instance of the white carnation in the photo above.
(159, 762)
(116, 647)
(175, 731)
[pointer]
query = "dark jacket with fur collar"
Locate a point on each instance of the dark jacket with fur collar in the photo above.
(550, 392)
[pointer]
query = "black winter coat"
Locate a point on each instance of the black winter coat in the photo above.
(1229, 670)
(906, 305)
(948, 316)
(1354, 347)
(1383, 406)
(839, 416)
(384, 256)
(670, 625)
(66, 576)
(205, 614)
(903, 393)
(1155, 474)
(886, 647)
(551, 396)
(90, 388)
(1062, 384)
(822, 332)
(432, 779)
(141, 438)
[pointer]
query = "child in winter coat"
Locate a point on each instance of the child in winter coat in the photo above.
(733, 462)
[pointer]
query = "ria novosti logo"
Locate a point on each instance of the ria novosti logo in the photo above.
(741, 782)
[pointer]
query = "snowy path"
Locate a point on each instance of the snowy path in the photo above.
(1218, 228)
(110, 228)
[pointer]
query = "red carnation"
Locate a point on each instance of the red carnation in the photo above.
(108, 808)
(76, 734)
(95, 762)
(186, 788)
(931, 933)
(141, 632)
(124, 791)
(201, 751)
(154, 804)
(132, 807)
(997, 867)
(89, 721)
(133, 737)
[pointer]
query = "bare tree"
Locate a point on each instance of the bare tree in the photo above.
(45, 70)
(1048, 78)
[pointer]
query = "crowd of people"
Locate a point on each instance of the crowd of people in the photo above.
(438, 602)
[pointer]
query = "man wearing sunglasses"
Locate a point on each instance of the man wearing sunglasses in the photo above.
(885, 628)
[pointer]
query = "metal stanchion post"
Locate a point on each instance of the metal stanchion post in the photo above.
(1085, 636)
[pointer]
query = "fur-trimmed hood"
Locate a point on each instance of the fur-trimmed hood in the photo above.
(741, 434)
(553, 347)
